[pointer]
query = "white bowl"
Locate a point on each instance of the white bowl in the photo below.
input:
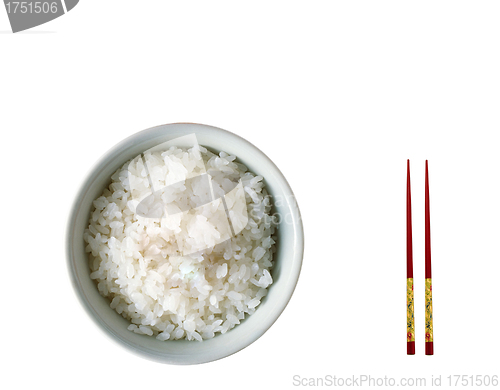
(287, 260)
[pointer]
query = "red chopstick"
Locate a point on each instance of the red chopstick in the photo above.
(429, 338)
(410, 317)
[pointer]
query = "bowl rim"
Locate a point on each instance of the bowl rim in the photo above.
(109, 155)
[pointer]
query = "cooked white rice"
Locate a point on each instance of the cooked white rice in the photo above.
(185, 275)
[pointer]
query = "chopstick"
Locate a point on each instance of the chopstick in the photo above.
(410, 318)
(429, 338)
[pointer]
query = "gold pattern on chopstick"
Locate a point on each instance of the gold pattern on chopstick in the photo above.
(410, 319)
(428, 311)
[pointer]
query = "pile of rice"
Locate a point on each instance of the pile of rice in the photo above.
(186, 275)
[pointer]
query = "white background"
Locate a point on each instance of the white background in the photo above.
(338, 95)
